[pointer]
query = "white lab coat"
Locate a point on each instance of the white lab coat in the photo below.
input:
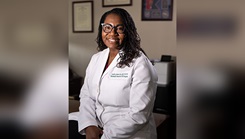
(120, 100)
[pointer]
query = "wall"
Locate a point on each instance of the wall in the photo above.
(158, 37)
(32, 31)
(211, 65)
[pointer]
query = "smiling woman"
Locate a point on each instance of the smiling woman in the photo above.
(117, 97)
(112, 37)
(130, 45)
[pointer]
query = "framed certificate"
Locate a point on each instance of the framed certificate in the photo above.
(112, 3)
(82, 16)
(157, 10)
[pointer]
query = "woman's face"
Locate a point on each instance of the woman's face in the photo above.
(114, 38)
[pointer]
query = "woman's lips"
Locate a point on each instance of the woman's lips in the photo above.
(112, 40)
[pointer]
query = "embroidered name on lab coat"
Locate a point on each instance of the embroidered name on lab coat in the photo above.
(119, 76)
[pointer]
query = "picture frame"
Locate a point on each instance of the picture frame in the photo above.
(157, 10)
(82, 16)
(113, 3)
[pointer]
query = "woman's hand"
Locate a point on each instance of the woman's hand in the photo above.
(93, 132)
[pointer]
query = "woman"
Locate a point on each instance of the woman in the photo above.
(118, 94)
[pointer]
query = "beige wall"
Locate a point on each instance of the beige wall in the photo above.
(32, 31)
(213, 49)
(158, 37)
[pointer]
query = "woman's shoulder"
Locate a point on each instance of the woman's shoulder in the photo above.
(141, 61)
(98, 54)
(141, 58)
(145, 67)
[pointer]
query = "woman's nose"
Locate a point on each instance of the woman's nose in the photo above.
(114, 31)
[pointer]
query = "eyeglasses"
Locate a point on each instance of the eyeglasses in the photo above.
(107, 28)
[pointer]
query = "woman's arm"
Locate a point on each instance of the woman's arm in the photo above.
(93, 132)
(87, 116)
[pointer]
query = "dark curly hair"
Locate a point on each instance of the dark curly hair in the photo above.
(130, 47)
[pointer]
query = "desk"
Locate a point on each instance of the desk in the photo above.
(159, 118)
(73, 105)
(165, 104)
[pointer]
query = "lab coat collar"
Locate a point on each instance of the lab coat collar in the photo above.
(113, 63)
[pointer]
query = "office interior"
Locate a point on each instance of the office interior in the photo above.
(34, 34)
(157, 38)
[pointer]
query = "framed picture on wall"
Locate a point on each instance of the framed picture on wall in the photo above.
(82, 16)
(157, 10)
(112, 3)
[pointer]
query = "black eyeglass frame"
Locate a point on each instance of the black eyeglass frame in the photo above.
(115, 27)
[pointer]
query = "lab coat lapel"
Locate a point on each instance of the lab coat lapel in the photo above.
(112, 65)
(100, 66)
